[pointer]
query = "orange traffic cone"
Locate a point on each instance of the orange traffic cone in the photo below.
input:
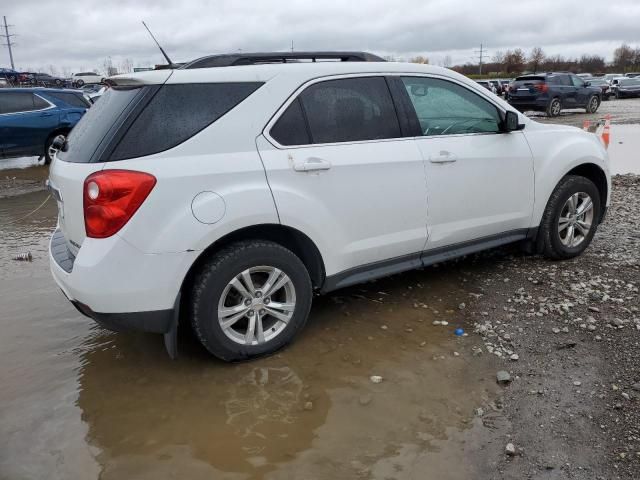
(606, 133)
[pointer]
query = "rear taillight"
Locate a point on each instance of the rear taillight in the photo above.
(111, 197)
(542, 87)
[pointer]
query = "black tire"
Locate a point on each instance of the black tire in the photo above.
(212, 279)
(554, 108)
(79, 83)
(549, 234)
(58, 82)
(593, 104)
(47, 145)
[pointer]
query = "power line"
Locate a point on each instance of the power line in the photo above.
(8, 43)
(481, 57)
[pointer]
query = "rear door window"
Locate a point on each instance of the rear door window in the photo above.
(349, 110)
(176, 113)
(15, 102)
(291, 128)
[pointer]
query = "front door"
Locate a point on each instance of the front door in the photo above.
(480, 181)
(342, 173)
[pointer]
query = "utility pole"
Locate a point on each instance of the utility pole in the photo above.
(481, 57)
(9, 43)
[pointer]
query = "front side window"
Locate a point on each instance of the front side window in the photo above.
(446, 108)
(577, 81)
(350, 110)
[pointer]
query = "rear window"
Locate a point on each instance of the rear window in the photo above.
(291, 127)
(86, 136)
(141, 121)
(176, 113)
(75, 100)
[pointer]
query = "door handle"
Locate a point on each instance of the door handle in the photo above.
(312, 164)
(443, 157)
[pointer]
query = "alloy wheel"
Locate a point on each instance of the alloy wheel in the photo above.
(576, 219)
(256, 305)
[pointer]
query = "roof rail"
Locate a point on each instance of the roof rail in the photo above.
(234, 59)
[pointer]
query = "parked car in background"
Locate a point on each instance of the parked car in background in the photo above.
(604, 86)
(505, 85)
(4, 83)
(584, 76)
(83, 78)
(627, 88)
(46, 80)
(610, 76)
(147, 228)
(10, 75)
(30, 119)
(487, 84)
(552, 92)
(498, 87)
(632, 74)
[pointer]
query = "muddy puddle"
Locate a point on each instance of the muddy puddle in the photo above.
(79, 402)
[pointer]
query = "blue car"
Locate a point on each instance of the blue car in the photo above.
(30, 119)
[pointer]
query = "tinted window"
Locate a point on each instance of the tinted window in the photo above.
(92, 128)
(12, 102)
(349, 110)
(577, 81)
(563, 80)
(291, 127)
(40, 103)
(70, 99)
(445, 108)
(176, 113)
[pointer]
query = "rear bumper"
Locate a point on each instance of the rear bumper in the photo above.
(529, 104)
(118, 286)
(158, 321)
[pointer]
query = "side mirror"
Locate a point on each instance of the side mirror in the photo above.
(60, 143)
(511, 122)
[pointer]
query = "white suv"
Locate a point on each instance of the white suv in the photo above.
(86, 78)
(224, 195)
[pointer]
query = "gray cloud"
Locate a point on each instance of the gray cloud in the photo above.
(80, 35)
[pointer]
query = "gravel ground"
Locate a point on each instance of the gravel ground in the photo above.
(569, 336)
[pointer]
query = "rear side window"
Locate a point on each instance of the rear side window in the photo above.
(291, 127)
(70, 99)
(14, 102)
(176, 113)
(351, 109)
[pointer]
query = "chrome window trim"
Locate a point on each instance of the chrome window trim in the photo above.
(296, 93)
(51, 105)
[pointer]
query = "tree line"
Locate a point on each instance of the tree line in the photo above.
(516, 61)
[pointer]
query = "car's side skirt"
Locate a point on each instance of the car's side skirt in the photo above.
(412, 261)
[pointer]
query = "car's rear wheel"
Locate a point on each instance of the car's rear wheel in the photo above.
(554, 108)
(49, 149)
(250, 299)
(593, 104)
(80, 83)
(571, 218)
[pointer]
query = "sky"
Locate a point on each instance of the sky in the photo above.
(74, 36)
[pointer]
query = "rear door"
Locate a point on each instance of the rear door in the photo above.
(480, 181)
(341, 171)
(568, 92)
(26, 120)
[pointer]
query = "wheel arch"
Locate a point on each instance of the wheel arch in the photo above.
(594, 173)
(296, 241)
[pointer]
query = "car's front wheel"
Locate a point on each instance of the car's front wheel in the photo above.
(570, 218)
(250, 299)
(79, 83)
(593, 104)
(554, 108)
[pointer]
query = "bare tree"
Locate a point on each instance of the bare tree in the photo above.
(66, 72)
(514, 61)
(109, 69)
(53, 70)
(419, 59)
(623, 57)
(591, 63)
(536, 59)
